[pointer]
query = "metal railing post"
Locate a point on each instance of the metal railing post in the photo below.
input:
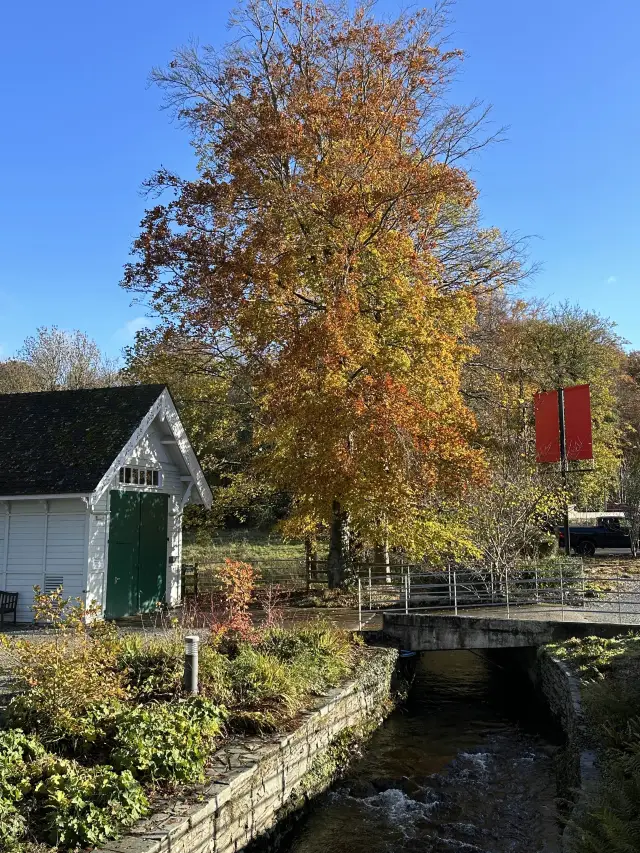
(537, 593)
(619, 602)
(406, 595)
(359, 605)
(370, 591)
(409, 581)
(506, 583)
(493, 593)
(455, 593)
(584, 603)
(562, 591)
(450, 596)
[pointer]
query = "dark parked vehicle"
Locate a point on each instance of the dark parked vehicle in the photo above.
(608, 532)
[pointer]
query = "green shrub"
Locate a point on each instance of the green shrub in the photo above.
(165, 742)
(76, 806)
(65, 804)
(62, 676)
(13, 826)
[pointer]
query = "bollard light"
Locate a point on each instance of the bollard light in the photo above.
(191, 644)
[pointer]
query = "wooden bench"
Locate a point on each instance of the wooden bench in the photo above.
(8, 604)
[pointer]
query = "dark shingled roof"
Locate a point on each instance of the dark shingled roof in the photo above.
(63, 442)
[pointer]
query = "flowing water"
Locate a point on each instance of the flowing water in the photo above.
(466, 765)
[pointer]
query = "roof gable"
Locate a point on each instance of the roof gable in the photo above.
(62, 442)
(165, 408)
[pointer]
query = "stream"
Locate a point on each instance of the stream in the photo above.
(467, 764)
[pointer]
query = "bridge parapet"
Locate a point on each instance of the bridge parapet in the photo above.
(420, 632)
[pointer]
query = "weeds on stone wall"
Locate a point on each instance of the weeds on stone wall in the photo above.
(609, 673)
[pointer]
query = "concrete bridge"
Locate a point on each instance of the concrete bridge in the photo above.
(421, 632)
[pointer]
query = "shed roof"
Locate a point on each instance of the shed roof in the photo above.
(62, 442)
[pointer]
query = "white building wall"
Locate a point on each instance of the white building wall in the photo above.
(44, 544)
(151, 453)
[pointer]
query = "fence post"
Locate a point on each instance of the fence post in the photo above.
(455, 593)
(619, 602)
(370, 591)
(562, 590)
(506, 585)
(537, 593)
(359, 604)
(409, 581)
(493, 590)
(450, 596)
(584, 603)
(406, 595)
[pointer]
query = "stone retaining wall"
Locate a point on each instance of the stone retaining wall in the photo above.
(561, 689)
(252, 780)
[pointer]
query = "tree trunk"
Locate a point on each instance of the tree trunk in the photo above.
(381, 558)
(338, 547)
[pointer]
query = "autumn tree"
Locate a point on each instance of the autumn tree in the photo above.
(522, 348)
(17, 376)
(215, 407)
(57, 360)
(330, 248)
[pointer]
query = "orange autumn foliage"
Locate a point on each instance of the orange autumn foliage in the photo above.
(314, 252)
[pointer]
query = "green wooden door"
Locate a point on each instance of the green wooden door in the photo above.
(136, 574)
(152, 578)
(124, 546)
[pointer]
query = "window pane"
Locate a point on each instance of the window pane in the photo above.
(155, 478)
(121, 475)
(127, 475)
(149, 478)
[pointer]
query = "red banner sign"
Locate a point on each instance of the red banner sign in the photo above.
(547, 427)
(577, 423)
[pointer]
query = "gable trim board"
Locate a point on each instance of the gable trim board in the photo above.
(49, 536)
(164, 407)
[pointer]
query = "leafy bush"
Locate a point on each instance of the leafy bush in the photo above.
(13, 826)
(16, 751)
(65, 804)
(62, 677)
(76, 806)
(165, 742)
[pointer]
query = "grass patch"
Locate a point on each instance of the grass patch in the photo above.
(248, 545)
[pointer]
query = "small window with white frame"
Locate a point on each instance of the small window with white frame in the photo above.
(136, 476)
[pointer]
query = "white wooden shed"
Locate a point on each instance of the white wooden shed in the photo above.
(93, 484)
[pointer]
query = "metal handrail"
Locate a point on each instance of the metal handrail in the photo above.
(460, 591)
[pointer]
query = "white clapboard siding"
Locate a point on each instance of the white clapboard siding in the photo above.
(47, 547)
(66, 554)
(4, 515)
(25, 553)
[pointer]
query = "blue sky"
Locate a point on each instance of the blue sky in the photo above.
(81, 130)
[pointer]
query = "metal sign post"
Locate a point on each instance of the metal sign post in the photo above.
(563, 468)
